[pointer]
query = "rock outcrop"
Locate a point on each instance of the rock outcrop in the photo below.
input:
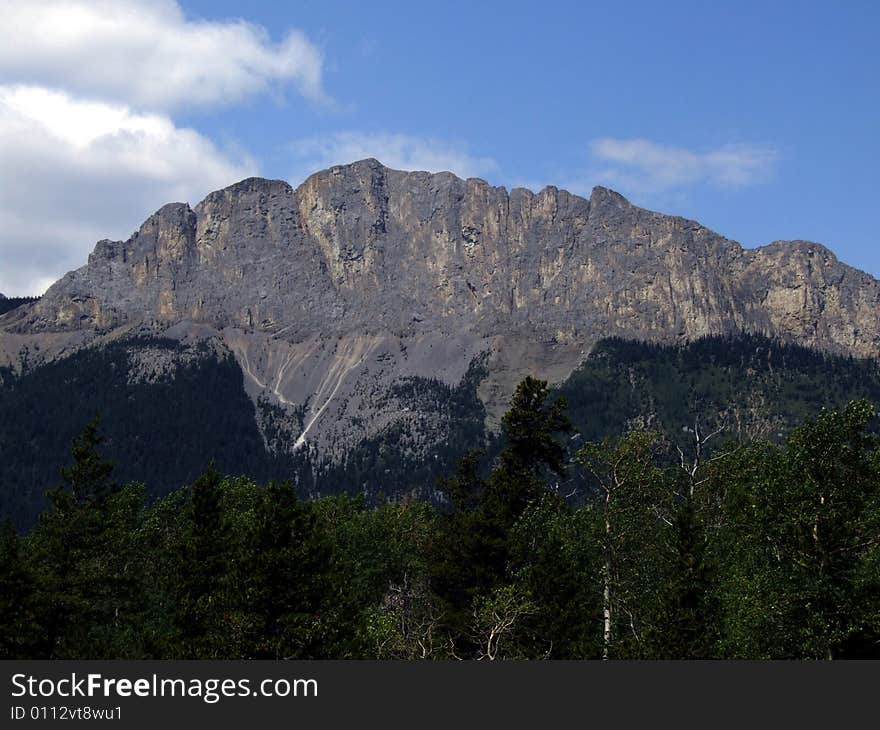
(364, 275)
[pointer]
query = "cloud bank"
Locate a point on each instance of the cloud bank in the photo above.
(81, 171)
(88, 143)
(149, 55)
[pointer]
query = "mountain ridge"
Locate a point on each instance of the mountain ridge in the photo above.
(177, 226)
(329, 293)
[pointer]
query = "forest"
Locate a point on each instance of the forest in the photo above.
(705, 546)
(7, 304)
(160, 430)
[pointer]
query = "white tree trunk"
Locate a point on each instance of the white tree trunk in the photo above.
(606, 590)
(606, 611)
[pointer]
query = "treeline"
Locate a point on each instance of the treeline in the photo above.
(755, 386)
(739, 551)
(7, 304)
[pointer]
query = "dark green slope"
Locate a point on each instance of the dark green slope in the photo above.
(751, 386)
(162, 433)
(7, 304)
(165, 433)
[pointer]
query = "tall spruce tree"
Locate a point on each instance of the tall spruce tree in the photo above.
(73, 551)
(204, 570)
(18, 621)
(287, 576)
(474, 539)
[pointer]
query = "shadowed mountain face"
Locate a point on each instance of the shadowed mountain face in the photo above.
(330, 293)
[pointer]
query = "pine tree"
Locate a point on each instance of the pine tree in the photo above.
(288, 571)
(18, 627)
(474, 542)
(531, 455)
(87, 480)
(204, 570)
(73, 554)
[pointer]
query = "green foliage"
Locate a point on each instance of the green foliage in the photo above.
(553, 561)
(631, 519)
(687, 599)
(88, 479)
(530, 427)
(203, 570)
(756, 387)
(161, 427)
(157, 431)
(804, 536)
(758, 550)
(88, 585)
(18, 622)
(472, 553)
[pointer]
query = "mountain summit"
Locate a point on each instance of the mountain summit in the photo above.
(331, 293)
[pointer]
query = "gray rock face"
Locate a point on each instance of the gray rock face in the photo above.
(361, 265)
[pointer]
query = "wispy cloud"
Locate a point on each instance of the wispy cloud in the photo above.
(149, 55)
(646, 167)
(85, 171)
(399, 151)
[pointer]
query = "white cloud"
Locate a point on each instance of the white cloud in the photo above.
(643, 166)
(148, 55)
(77, 171)
(398, 151)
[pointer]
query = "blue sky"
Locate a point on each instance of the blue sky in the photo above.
(759, 119)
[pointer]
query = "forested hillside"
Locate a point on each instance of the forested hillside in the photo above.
(162, 429)
(168, 410)
(761, 551)
(748, 385)
(7, 304)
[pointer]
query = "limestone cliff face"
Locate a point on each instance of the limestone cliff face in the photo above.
(423, 271)
(362, 248)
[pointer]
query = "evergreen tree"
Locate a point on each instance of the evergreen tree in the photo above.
(75, 547)
(531, 455)
(204, 569)
(468, 555)
(18, 622)
(287, 571)
(473, 546)
(689, 622)
(87, 480)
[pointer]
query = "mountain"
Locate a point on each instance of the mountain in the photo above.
(356, 303)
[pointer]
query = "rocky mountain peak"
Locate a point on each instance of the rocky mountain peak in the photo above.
(605, 198)
(359, 247)
(363, 271)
